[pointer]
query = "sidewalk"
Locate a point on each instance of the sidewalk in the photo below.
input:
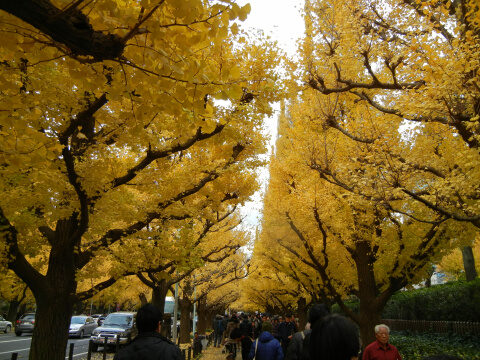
(212, 353)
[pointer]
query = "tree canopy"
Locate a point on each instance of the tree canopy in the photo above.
(104, 152)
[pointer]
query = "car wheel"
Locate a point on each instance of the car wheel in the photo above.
(18, 333)
(94, 347)
(8, 328)
(81, 335)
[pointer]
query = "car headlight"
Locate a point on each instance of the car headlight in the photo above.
(95, 332)
(122, 334)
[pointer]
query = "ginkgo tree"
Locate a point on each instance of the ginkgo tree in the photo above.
(95, 149)
(413, 63)
(321, 209)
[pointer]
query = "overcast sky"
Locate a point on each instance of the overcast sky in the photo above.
(281, 19)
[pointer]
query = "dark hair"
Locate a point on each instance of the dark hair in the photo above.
(148, 317)
(442, 357)
(334, 338)
(317, 312)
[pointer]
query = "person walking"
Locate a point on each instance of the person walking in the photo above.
(286, 331)
(218, 330)
(266, 347)
(381, 348)
(149, 344)
(298, 348)
(334, 338)
(247, 336)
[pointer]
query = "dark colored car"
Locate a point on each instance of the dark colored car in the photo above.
(25, 324)
(118, 324)
(81, 325)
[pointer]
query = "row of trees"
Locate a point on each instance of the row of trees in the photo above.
(375, 174)
(131, 131)
(117, 156)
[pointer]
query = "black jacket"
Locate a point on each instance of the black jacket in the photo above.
(149, 346)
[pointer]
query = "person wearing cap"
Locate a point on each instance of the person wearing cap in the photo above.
(266, 347)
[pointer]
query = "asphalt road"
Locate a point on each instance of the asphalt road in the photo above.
(10, 343)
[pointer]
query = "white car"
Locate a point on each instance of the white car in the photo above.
(5, 325)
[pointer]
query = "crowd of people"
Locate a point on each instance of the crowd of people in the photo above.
(326, 336)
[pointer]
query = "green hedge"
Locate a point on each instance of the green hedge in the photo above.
(417, 346)
(453, 301)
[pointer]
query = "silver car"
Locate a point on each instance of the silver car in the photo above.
(25, 324)
(5, 325)
(82, 325)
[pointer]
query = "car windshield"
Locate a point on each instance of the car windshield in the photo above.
(121, 320)
(77, 320)
(28, 317)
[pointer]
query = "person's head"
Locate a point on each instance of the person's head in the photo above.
(288, 317)
(334, 338)
(149, 318)
(267, 326)
(264, 317)
(317, 312)
(195, 335)
(382, 334)
(281, 319)
(442, 357)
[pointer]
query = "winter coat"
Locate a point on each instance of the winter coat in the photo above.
(149, 346)
(230, 326)
(246, 328)
(268, 348)
(295, 348)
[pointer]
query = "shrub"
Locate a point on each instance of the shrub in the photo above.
(417, 346)
(452, 301)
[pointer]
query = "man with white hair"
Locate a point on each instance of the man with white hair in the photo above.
(381, 349)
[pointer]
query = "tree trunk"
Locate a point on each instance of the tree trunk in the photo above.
(55, 294)
(185, 326)
(202, 316)
(302, 313)
(469, 263)
(369, 317)
(12, 311)
(370, 310)
(52, 321)
(159, 293)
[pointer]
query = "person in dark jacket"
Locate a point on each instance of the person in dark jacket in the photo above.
(286, 330)
(247, 336)
(218, 330)
(149, 344)
(266, 347)
(299, 345)
(334, 338)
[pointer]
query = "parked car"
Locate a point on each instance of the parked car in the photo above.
(82, 325)
(25, 324)
(121, 324)
(5, 325)
(99, 318)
